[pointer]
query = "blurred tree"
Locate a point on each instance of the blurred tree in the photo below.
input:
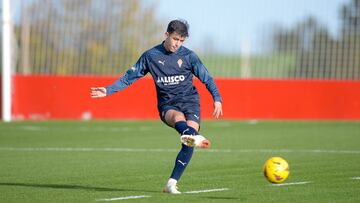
(317, 53)
(86, 36)
(350, 39)
(301, 41)
(350, 17)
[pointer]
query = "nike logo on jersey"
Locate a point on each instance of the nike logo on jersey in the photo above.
(197, 117)
(162, 62)
(182, 163)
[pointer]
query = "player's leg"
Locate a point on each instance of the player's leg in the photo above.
(193, 124)
(176, 119)
(185, 125)
(192, 116)
(198, 140)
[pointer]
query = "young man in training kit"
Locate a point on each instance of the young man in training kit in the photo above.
(172, 67)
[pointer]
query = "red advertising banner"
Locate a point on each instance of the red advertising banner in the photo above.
(39, 97)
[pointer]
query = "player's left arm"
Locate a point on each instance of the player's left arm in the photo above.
(201, 72)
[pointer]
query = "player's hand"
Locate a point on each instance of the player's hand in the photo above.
(217, 109)
(97, 92)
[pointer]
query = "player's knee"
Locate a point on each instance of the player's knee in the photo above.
(178, 116)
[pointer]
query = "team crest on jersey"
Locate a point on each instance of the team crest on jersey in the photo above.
(179, 62)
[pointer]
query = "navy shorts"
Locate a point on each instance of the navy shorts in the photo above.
(191, 110)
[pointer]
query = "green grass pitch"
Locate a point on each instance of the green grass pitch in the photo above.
(71, 161)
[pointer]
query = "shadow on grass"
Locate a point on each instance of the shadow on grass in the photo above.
(74, 187)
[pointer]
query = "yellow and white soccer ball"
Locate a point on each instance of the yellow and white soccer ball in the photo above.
(276, 170)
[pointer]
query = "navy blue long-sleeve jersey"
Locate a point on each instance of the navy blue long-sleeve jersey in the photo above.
(172, 73)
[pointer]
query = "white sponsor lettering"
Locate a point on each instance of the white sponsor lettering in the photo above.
(171, 80)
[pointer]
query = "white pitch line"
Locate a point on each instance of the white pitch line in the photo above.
(209, 190)
(123, 198)
(355, 178)
(114, 149)
(84, 149)
(145, 196)
(295, 183)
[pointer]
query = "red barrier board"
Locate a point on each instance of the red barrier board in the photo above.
(39, 97)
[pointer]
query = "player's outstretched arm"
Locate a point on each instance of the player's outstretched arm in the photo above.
(97, 92)
(217, 109)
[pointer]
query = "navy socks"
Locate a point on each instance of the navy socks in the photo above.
(184, 156)
(184, 129)
(182, 160)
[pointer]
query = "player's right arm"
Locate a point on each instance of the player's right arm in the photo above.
(132, 74)
(97, 92)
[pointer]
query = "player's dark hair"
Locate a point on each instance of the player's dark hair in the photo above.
(181, 27)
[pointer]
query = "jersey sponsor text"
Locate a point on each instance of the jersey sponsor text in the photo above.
(171, 80)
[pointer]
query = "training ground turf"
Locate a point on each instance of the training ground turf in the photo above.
(119, 161)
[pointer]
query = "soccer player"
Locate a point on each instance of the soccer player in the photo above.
(172, 67)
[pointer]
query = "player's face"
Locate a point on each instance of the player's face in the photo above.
(173, 41)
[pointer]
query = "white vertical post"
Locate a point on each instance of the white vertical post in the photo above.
(245, 59)
(6, 61)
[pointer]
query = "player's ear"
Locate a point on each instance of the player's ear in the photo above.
(167, 34)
